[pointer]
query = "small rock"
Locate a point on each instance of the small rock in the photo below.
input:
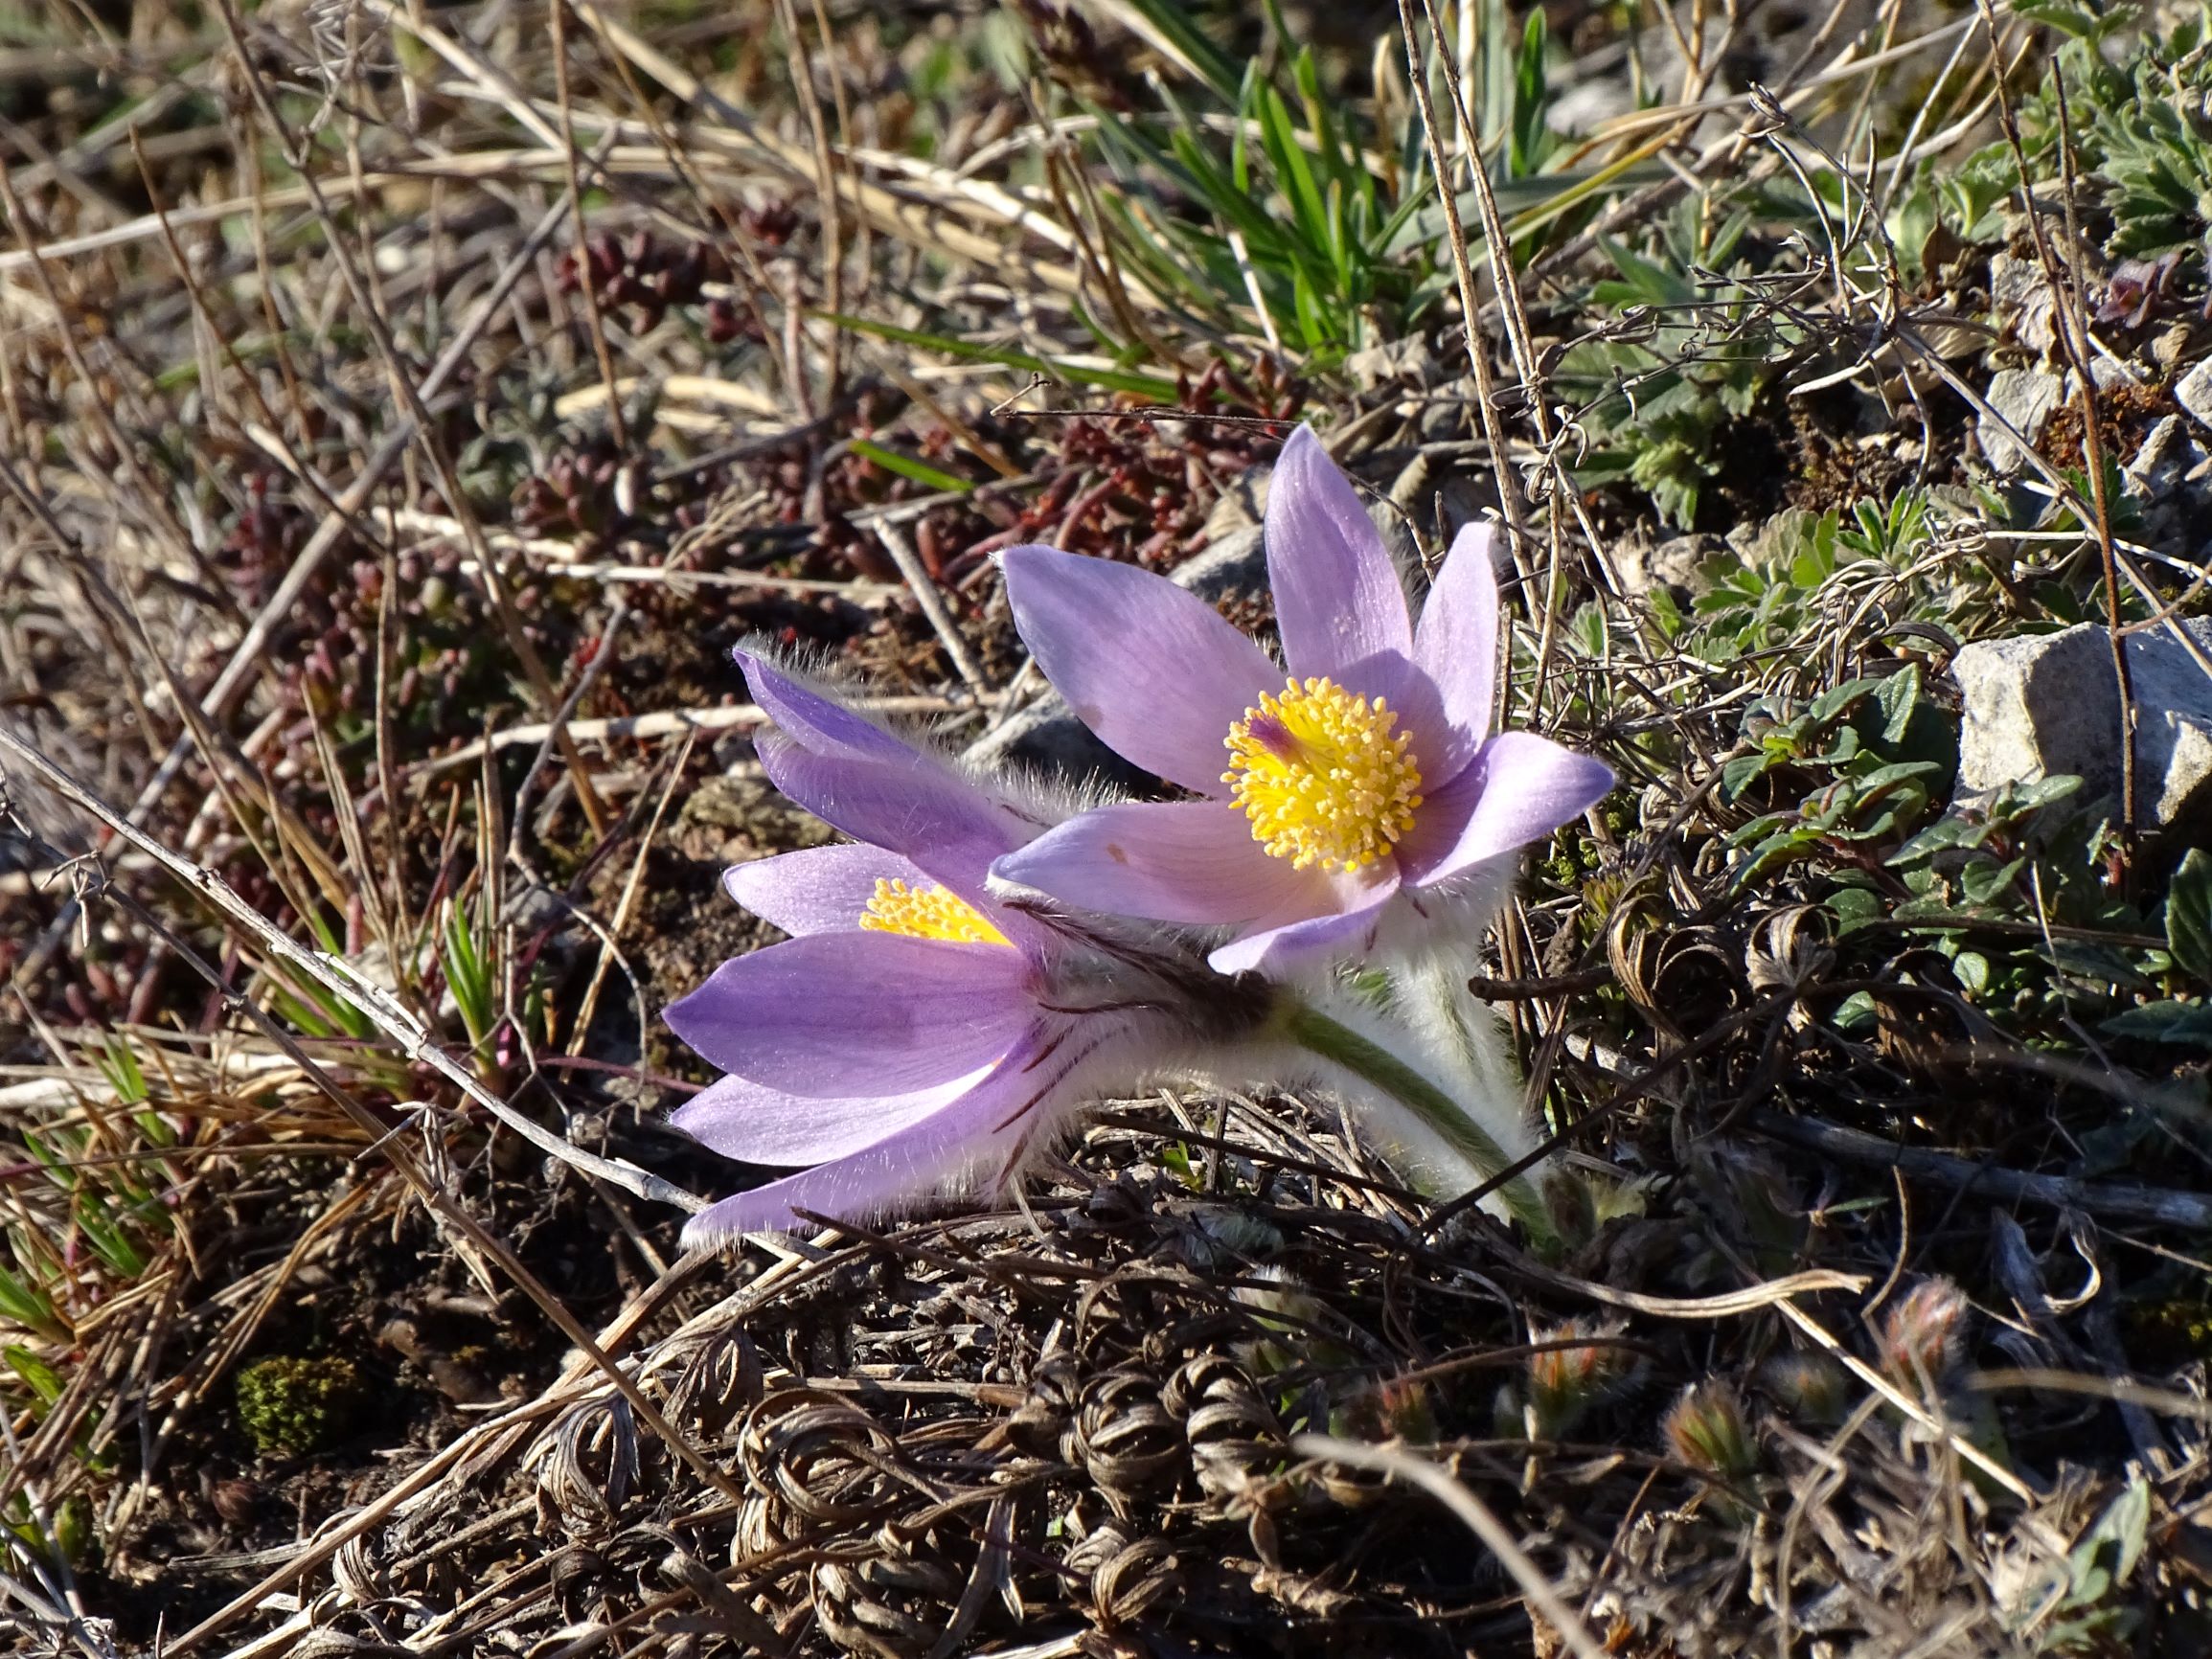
(1451, 411)
(1586, 104)
(2165, 476)
(2172, 346)
(2024, 397)
(1442, 499)
(1046, 737)
(1243, 504)
(2193, 391)
(1407, 359)
(733, 818)
(1678, 565)
(2042, 705)
(1233, 568)
(2107, 376)
(2021, 293)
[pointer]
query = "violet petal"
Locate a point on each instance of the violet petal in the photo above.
(841, 1014)
(1455, 647)
(1518, 788)
(1283, 946)
(1154, 671)
(764, 1126)
(817, 721)
(818, 889)
(980, 1133)
(940, 821)
(1187, 862)
(1337, 599)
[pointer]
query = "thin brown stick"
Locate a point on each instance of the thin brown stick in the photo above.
(2069, 316)
(557, 14)
(2110, 1199)
(1480, 1520)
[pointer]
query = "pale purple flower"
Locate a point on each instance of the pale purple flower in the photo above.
(914, 1034)
(1358, 782)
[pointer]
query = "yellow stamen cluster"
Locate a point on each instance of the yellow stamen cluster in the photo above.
(1321, 776)
(927, 912)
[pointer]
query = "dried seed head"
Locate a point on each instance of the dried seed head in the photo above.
(1565, 1381)
(1809, 1386)
(1572, 1205)
(1707, 1428)
(1923, 1338)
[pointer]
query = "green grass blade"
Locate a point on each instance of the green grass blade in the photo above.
(891, 460)
(1174, 26)
(1111, 380)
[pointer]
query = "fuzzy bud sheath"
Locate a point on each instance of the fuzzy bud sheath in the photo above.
(920, 1036)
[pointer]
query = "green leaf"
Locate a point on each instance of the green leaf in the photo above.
(1899, 699)
(1587, 631)
(1532, 137)
(124, 1075)
(1112, 379)
(2182, 1024)
(919, 473)
(2106, 1556)
(45, 1380)
(108, 1239)
(2189, 916)
(467, 976)
(1856, 1013)
(23, 1303)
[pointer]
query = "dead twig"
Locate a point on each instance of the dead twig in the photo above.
(2105, 1198)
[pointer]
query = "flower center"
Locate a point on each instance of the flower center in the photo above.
(928, 912)
(1321, 777)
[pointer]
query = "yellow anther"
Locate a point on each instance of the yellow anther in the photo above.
(927, 912)
(1322, 777)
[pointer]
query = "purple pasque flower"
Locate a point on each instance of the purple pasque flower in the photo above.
(1362, 773)
(914, 1034)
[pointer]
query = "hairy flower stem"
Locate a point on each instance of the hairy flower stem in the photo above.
(1339, 1044)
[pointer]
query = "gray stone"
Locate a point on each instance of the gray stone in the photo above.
(1409, 360)
(1451, 412)
(2105, 376)
(1579, 108)
(2025, 399)
(1231, 570)
(1244, 502)
(1678, 565)
(2021, 294)
(1443, 497)
(2042, 705)
(1046, 737)
(2168, 475)
(2193, 391)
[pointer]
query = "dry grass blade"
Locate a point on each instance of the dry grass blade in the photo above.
(1479, 1519)
(396, 1023)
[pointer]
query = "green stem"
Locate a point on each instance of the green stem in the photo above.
(1341, 1045)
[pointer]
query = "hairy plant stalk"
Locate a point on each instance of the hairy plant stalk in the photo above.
(1329, 1039)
